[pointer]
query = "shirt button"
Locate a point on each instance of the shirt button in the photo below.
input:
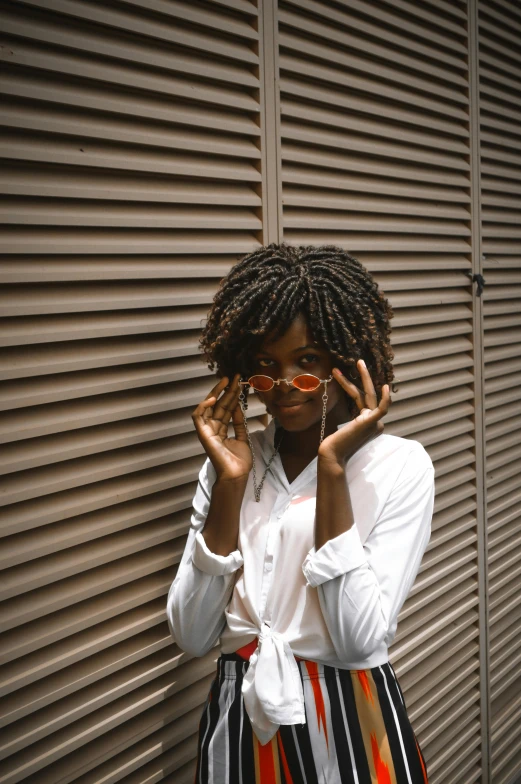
(268, 566)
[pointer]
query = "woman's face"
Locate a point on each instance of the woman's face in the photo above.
(297, 352)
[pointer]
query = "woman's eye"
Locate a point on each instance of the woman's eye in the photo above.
(308, 357)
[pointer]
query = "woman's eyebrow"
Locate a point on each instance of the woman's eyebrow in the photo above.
(300, 348)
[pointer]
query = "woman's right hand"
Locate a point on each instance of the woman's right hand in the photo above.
(231, 457)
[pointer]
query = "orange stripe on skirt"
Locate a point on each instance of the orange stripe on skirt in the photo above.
(376, 743)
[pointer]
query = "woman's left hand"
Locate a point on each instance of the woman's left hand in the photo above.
(340, 446)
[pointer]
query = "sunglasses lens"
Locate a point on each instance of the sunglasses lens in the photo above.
(261, 383)
(306, 383)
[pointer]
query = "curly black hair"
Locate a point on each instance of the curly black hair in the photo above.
(265, 291)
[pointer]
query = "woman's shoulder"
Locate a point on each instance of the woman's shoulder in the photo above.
(396, 450)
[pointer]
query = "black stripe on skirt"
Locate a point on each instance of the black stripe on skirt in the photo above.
(357, 732)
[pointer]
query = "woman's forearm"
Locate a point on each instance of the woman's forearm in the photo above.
(221, 530)
(334, 513)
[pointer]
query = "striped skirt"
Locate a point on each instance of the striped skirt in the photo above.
(357, 732)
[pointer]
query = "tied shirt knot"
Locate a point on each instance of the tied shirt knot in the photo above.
(272, 687)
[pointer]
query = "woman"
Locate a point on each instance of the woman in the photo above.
(306, 537)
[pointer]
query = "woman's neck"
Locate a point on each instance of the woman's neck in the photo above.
(305, 443)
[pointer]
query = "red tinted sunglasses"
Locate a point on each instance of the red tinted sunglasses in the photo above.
(305, 382)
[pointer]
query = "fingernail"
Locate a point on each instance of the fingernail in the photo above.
(363, 363)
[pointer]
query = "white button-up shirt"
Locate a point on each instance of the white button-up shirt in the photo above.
(337, 606)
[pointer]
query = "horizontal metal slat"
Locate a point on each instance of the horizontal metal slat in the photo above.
(438, 662)
(455, 592)
(347, 60)
(445, 743)
(137, 662)
(63, 623)
(88, 528)
(124, 100)
(497, 353)
(38, 482)
(333, 201)
(36, 605)
(25, 212)
(384, 148)
(503, 493)
(82, 124)
(507, 30)
(442, 118)
(307, 155)
(71, 386)
(64, 357)
(496, 119)
(34, 330)
(124, 20)
(506, 766)
(358, 243)
(500, 186)
(347, 78)
(127, 241)
(60, 506)
(505, 681)
(65, 446)
(42, 32)
(410, 36)
(41, 269)
(212, 17)
(464, 692)
(505, 601)
(447, 14)
(159, 749)
(42, 572)
(351, 222)
(421, 690)
(495, 64)
(91, 697)
(120, 94)
(60, 182)
(59, 150)
(504, 645)
(421, 27)
(309, 180)
(444, 719)
(80, 416)
(76, 735)
(449, 638)
(43, 662)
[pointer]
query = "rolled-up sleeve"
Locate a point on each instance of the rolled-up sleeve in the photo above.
(204, 581)
(362, 587)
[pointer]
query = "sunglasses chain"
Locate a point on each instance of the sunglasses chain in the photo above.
(242, 401)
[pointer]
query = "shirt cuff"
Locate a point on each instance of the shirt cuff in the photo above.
(210, 563)
(336, 557)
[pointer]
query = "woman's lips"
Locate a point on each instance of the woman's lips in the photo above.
(290, 409)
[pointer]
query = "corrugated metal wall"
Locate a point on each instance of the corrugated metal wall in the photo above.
(500, 102)
(375, 150)
(143, 153)
(131, 143)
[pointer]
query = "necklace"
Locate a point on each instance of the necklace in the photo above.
(257, 488)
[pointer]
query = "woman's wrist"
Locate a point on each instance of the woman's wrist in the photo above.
(221, 530)
(231, 484)
(331, 465)
(334, 513)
